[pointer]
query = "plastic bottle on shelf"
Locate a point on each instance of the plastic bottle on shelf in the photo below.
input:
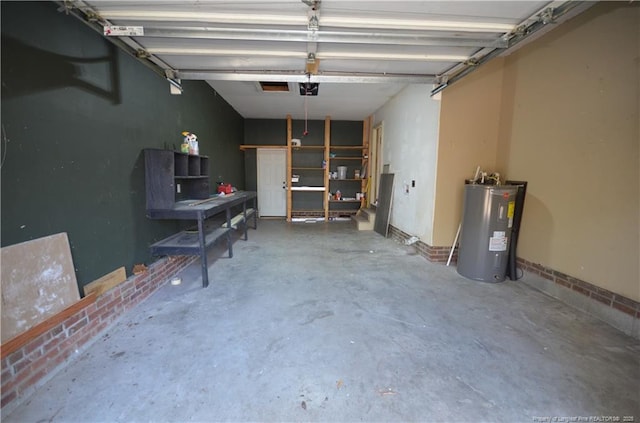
(338, 195)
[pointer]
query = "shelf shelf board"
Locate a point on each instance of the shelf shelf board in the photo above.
(307, 211)
(346, 158)
(186, 242)
(344, 201)
(244, 147)
(307, 168)
(348, 147)
(180, 153)
(308, 147)
(340, 213)
(347, 180)
(308, 188)
(190, 177)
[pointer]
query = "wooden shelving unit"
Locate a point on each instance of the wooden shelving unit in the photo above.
(355, 157)
(306, 162)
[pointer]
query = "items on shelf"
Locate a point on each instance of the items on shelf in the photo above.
(190, 143)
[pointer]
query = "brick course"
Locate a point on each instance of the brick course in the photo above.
(32, 363)
(596, 293)
(431, 253)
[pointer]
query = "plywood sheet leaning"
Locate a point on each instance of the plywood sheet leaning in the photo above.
(106, 282)
(37, 281)
(383, 209)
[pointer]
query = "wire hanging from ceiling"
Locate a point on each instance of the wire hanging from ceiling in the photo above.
(306, 114)
(306, 109)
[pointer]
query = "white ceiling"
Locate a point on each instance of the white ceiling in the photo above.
(365, 51)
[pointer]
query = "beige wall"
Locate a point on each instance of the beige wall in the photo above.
(567, 122)
(570, 127)
(469, 128)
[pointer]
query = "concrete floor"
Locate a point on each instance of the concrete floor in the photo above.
(318, 322)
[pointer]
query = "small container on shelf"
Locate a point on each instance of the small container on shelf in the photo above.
(342, 172)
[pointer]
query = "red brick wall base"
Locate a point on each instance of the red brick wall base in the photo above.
(25, 367)
(606, 297)
(433, 254)
(611, 299)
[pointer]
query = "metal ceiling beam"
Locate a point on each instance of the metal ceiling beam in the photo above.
(338, 37)
(81, 11)
(537, 24)
(325, 77)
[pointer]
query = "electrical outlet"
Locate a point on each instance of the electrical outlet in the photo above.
(178, 188)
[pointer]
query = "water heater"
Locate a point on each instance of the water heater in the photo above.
(487, 219)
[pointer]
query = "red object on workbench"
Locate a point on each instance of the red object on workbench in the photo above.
(226, 188)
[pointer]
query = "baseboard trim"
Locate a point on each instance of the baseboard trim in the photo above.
(617, 310)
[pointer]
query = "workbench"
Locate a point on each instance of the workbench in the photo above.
(197, 242)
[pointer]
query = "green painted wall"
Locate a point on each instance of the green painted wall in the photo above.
(261, 132)
(76, 114)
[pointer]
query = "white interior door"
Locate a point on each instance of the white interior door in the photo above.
(272, 181)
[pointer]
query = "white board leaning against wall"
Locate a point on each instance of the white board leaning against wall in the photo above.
(37, 281)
